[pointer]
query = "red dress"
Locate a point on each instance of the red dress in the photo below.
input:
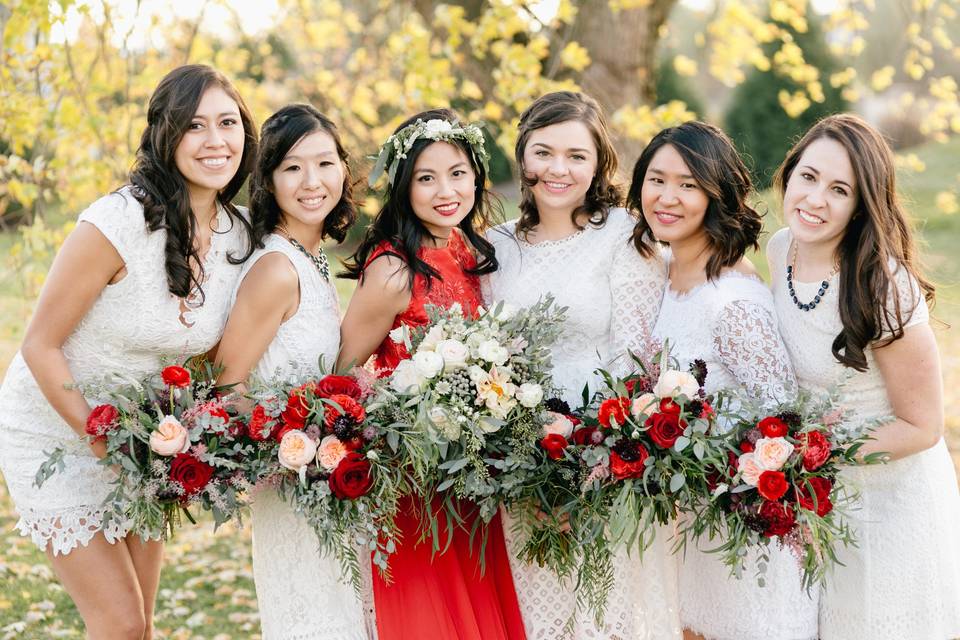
(443, 596)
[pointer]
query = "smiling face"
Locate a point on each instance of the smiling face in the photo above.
(210, 151)
(562, 158)
(673, 203)
(442, 187)
(308, 183)
(821, 195)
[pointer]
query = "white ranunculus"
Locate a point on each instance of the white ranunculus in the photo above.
(558, 424)
(170, 438)
(296, 450)
(529, 394)
(405, 378)
(493, 352)
(454, 354)
(673, 383)
(428, 363)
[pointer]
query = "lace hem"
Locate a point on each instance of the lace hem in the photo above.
(66, 530)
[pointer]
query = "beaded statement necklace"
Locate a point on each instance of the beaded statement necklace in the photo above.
(319, 260)
(807, 306)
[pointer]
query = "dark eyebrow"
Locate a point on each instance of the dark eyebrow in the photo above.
(812, 170)
(685, 176)
(574, 150)
(225, 113)
(316, 155)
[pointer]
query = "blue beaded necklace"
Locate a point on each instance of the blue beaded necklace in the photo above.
(807, 306)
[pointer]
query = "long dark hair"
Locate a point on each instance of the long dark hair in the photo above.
(397, 224)
(556, 108)
(877, 242)
(280, 133)
(732, 226)
(159, 186)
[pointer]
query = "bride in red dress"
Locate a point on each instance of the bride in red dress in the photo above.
(423, 248)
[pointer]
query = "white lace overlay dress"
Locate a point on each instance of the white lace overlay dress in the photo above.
(903, 581)
(612, 296)
(131, 326)
(300, 593)
(730, 323)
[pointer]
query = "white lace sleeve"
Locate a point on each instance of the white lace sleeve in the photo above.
(636, 287)
(749, 345)
(119, 217)
(905, 292)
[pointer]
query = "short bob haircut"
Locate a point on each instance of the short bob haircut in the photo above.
(732, 225)
(556, 108)
(280, 133)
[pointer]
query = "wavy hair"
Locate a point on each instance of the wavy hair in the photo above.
(604, 191)
(397, 224)
(280, 133)
(160, 187)
(877, 242)
(732, 226)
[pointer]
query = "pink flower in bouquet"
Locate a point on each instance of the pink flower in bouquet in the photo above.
(175, 376)
(749, 469)
(559, 424)
(772, 453)
(772, 484)
(815, 449)
(330, 452)
(778, 517)
(644, 406)
(102, 419)
(169, 438)
(821, 489)
(296, 450)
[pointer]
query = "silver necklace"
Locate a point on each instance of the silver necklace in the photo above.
(319, 260)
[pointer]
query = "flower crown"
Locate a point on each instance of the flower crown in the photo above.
(399, 144)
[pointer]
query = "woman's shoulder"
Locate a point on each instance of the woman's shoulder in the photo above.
(502, 233)
(742, 284)
(778, 244)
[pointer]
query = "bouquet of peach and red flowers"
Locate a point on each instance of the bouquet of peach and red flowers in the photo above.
(172, 443)
(781, 481)
(318, 448)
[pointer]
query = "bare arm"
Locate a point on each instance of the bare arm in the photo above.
(86, 263)
(910, 368)
(268, 295)
(380, 295)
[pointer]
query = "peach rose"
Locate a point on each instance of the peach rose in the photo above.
(170, 438)
(644, 406)
(559, 424)
(296, 450)
(749, 469)
(772, 453)
(330, 452)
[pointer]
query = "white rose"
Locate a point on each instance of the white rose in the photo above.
(431, 339)
(454, 354)
(170, 438)
(673, 382)
(428, 363)
(436, 127)
(559, 424)
(529, 394)
(405, 378)
(477, 374)
(772, 453)
(493, 352)
(296, 450)
(644, 406)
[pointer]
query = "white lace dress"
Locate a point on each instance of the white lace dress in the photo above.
(300, 593)
(730, 323)
(903, 581)
(612, 296)
(130, 328)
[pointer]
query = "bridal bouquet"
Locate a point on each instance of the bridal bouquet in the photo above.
(318, 449)
(469, 401)
(636, 455)
(173, 444)
(781, 481)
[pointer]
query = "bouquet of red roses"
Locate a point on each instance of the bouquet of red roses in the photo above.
(781, 481)
(317, 447)
(173, 444)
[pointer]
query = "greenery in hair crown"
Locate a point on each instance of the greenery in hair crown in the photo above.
(399, 144)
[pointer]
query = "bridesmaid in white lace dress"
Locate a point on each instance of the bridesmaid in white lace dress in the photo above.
(853, 308)
(572, 241)
(691, 187)
(147, 273)
(286, 318)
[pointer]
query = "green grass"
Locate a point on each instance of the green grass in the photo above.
(207, 588)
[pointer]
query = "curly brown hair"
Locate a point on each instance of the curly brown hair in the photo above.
(732, 225)
(604, 192)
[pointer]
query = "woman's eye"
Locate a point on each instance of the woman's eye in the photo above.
(541, 153)
(292, 167)
(807, 176)
(195, 126)
(228, 122)
(840, 191)
(578, 156)
(326, 163)
(424, 178)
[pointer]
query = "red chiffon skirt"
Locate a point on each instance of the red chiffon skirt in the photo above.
(444, 596)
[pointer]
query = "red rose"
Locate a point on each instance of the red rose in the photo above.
(584, 436)
(821, 490)
(352, 478)
(298, 407)
(554, 444)
(102, 419)
(350, 407)
(746, 446)
(175, 376)
(772, 484)
(773, 427)
(334, 385)
(622, 469)
(667, 405)
(815, 449)
(192, 474)
(613, 410)
(259, 423)
(665, 428)
(778, 517)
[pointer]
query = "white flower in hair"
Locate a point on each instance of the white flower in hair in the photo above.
(437, 127)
